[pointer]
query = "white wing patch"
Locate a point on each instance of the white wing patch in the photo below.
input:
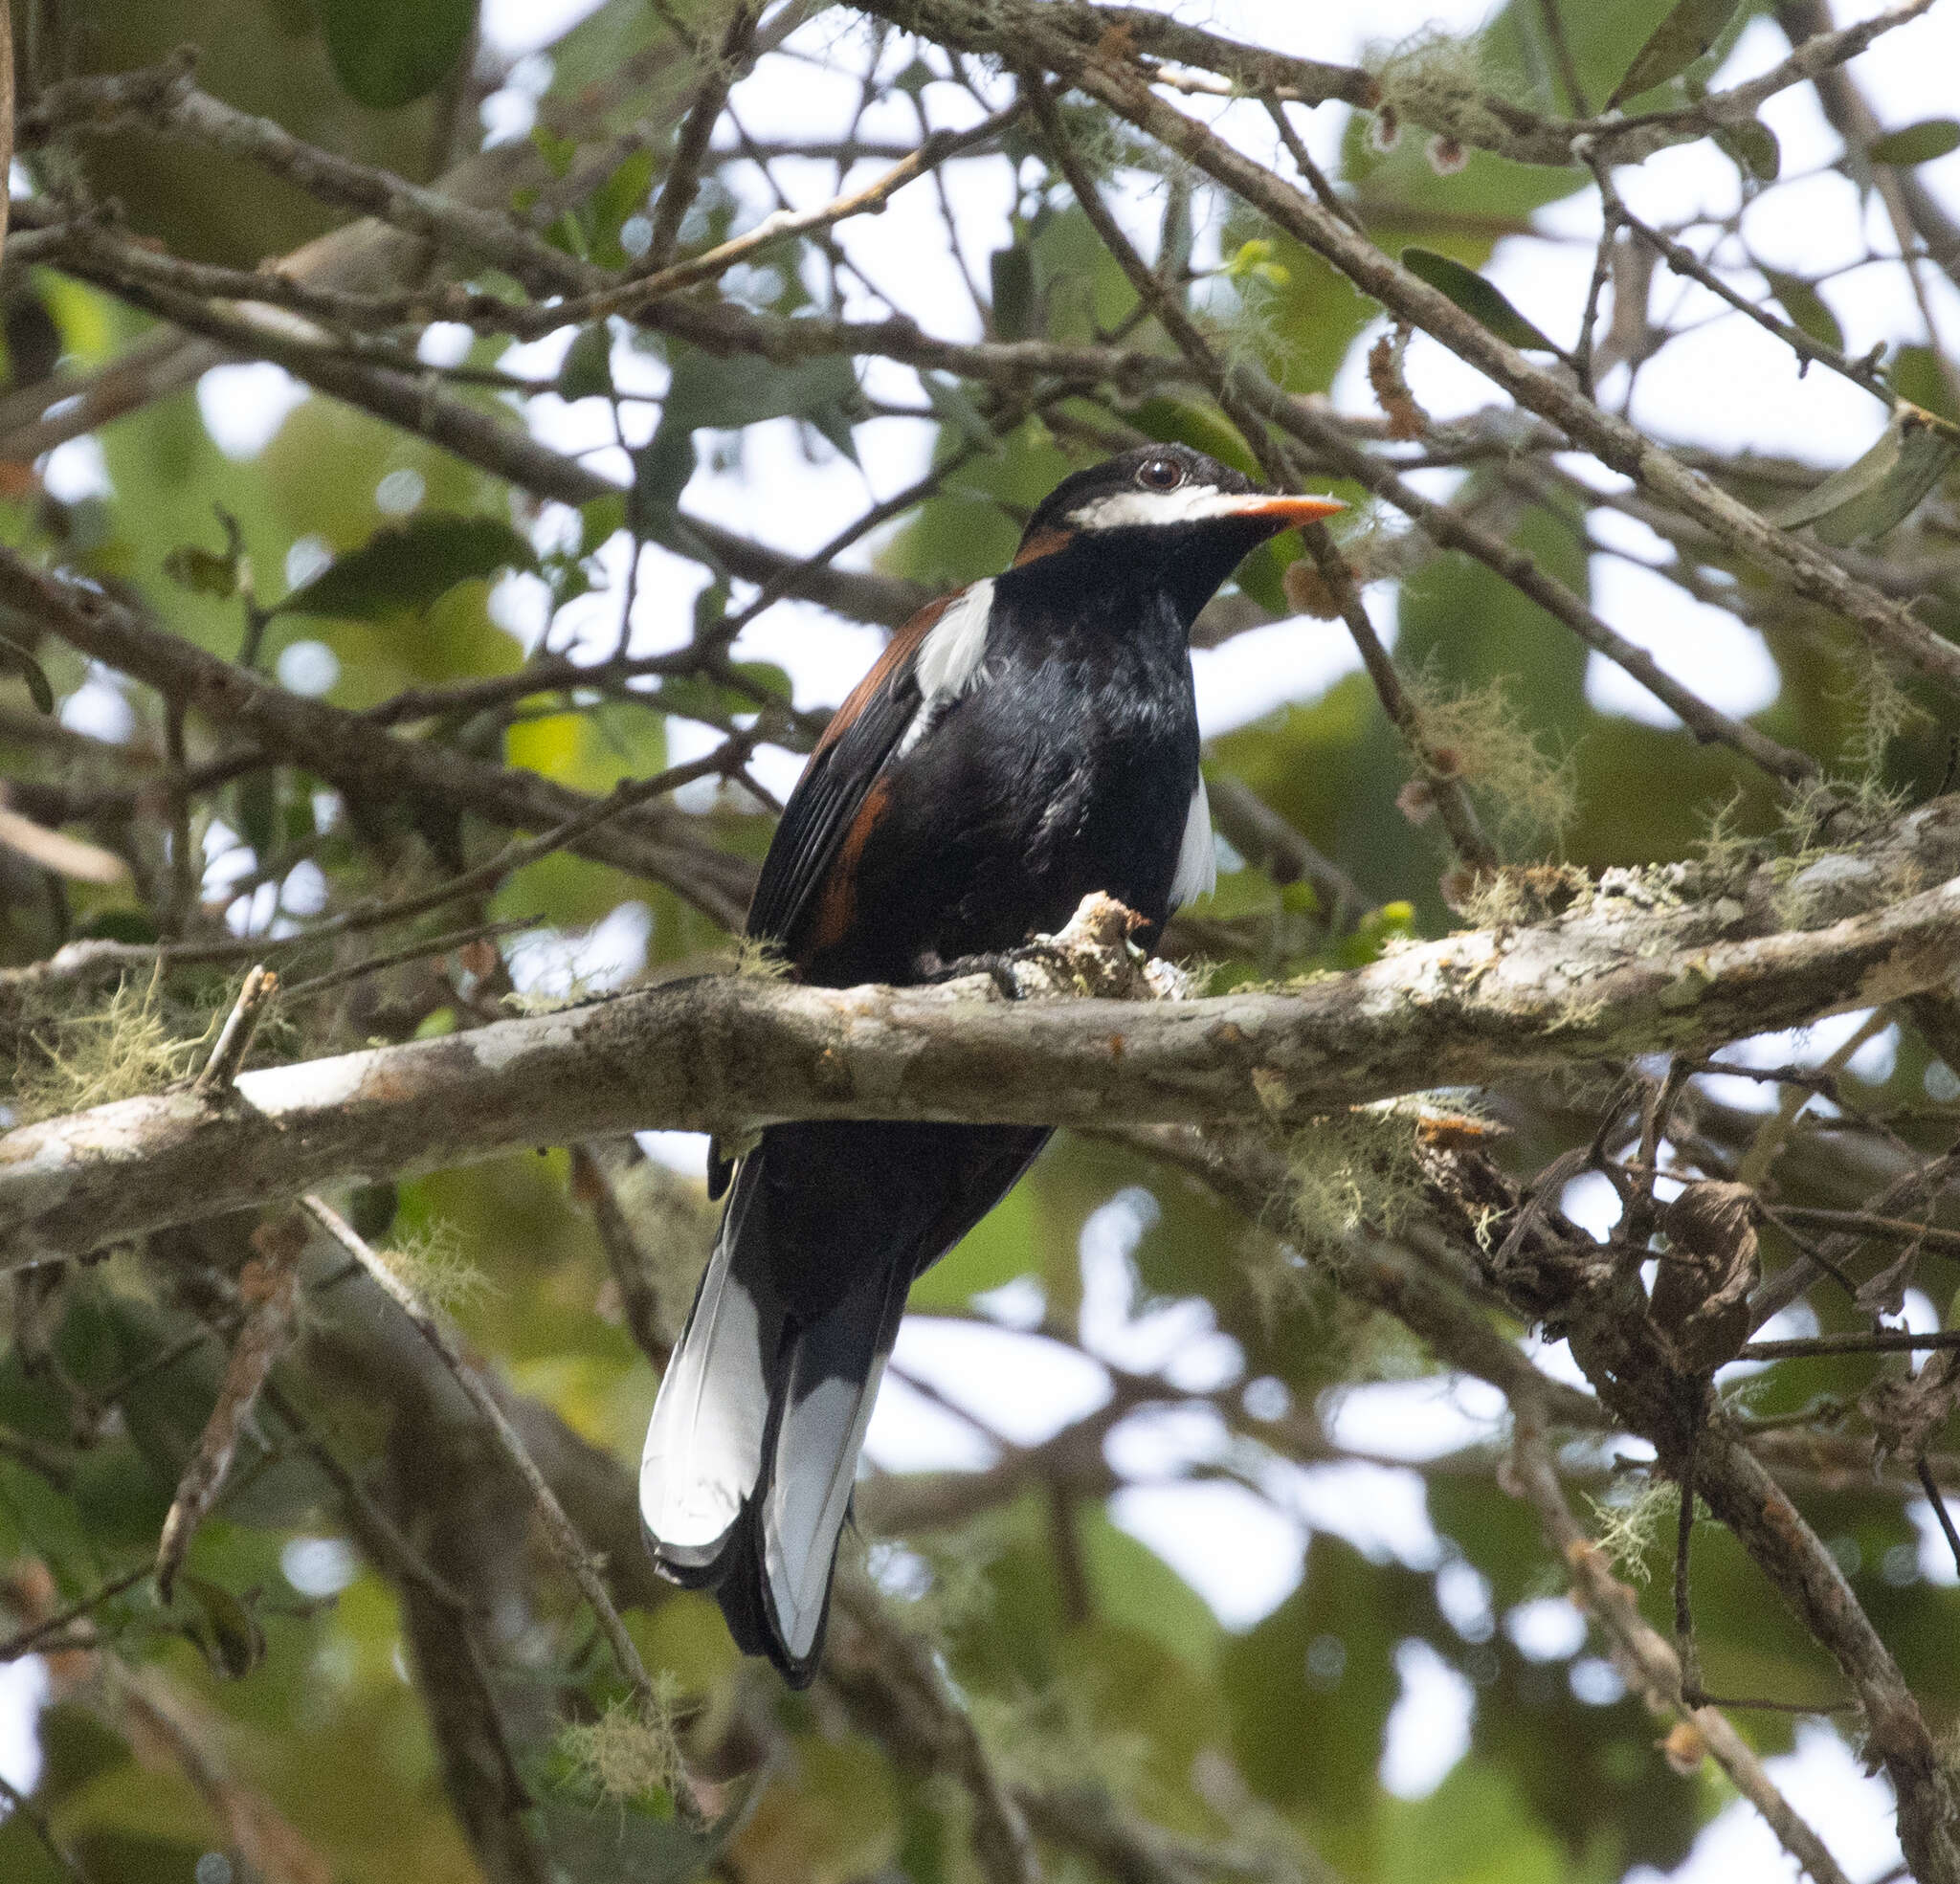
(951, 658)
(1193, 503)
(1197, 857)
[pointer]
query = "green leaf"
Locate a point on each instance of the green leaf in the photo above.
(256, 800)
(389, 52)
(624, 193)
(123, 925)
(727, 394)
(711, 393)
(1688, 32)
(1806, 307)
(587, 369)
(202, 571)
(1915, 375)
(558, 154)
(1476, 296)
(13, 655)
(710, 609)
(1012, 277)
(1250, 257)
(958, 415)
(1883, 487)
(1923, 143)
(404, 568)
(915, 77)
(1753, 146)
(223, 1627)
(600, 521)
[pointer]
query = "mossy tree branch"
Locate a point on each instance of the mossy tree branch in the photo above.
(1640, 962)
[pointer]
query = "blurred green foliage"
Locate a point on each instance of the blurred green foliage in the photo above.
(1087, 1658)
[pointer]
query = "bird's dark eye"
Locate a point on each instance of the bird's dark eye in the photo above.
(1160, 474)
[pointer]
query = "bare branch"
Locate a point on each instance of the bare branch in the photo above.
(691, 147)
(1630, 968)
(566, 1544)
(891, 1680)
(1644, 1656)
(363, 758)
(1612, 440)
(269, 1288)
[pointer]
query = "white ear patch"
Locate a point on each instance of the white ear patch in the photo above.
(1197, 857)
(1192, 503)
(950, 659)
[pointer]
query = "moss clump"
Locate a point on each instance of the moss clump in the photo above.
(1630, 1521)
(131, 1045)
(1822, 814)
(1858, 799)
(1514, 896)
(1054, 1741)
(935, 1584)
(1477, 736)
(1352, 1170)
(631, 1752)
(432, 1262)
(1633, 1520)
(756, 959)
(1724, 850)
(1440, 82)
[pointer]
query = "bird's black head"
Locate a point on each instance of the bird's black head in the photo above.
(1161, 515)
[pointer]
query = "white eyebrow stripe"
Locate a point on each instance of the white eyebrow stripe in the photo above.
(950, 659)
(1128, 509)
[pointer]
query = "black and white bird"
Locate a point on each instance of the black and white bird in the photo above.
(1020, 743)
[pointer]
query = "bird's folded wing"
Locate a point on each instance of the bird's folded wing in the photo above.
(856, 747)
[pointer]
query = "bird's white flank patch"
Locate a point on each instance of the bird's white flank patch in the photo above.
(1197, 857)
(1193, 503)
(950, 659)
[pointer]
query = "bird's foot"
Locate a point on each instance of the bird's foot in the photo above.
(997, 967)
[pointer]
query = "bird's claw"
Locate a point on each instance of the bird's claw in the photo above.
(998, 967)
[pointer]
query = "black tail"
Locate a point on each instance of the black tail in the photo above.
(745, 1481)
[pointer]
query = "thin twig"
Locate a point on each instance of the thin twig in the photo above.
(1555, 26)
(1775, 1130)
(890, 1677)
(566, 1544)
(1683, 1607)
(17, 1801)
(1642, 1653)
(416, 951)
(378, 1530)
(1900, 1230)
(1931, 1487)
(36, 1637)
(724, 65)
(1885, 1340)
(235, 1041)
(1683, 261)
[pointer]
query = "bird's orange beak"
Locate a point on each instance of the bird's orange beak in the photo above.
(1286, 513)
